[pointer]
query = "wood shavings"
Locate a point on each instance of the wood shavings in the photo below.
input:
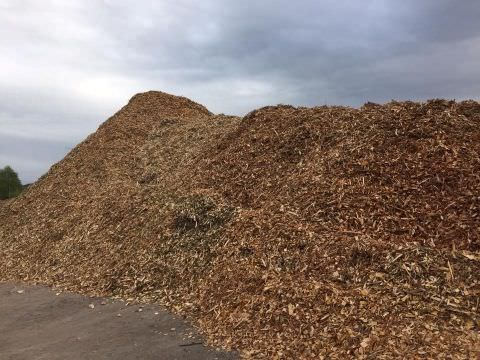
(325, 232)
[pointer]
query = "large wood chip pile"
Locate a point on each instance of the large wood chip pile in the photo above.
(325, 232)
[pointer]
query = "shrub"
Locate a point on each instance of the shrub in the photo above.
(10, 185)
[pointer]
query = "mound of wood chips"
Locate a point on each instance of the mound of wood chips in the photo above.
(291, 233)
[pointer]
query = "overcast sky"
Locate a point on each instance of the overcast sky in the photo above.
(66, 65)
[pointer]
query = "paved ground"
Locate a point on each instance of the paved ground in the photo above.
(36, 323)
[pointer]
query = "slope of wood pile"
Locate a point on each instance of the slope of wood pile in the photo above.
(290, 233)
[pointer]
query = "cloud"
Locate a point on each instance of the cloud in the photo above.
(67, 66)
(30, 157)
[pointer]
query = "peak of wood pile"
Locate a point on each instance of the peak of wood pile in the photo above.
(325, 232)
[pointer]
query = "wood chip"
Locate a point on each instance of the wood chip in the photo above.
(326, 232)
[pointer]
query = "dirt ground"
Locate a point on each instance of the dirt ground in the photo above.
(39, 323)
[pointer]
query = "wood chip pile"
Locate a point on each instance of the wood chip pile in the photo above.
(291, 233)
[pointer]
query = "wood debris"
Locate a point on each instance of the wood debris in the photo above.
(325, 232)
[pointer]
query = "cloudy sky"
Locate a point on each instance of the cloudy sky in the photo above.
(66, 65)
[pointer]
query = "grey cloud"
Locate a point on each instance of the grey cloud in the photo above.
(29, 157)
(69, 65)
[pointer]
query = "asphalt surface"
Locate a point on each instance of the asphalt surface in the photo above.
(39, 323)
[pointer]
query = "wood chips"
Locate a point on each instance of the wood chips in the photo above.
(291, 233)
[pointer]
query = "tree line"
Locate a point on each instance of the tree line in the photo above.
(10, 184)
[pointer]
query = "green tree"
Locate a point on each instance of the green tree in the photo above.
(10, 185)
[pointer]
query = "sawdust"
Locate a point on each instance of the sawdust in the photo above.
(291, 233)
